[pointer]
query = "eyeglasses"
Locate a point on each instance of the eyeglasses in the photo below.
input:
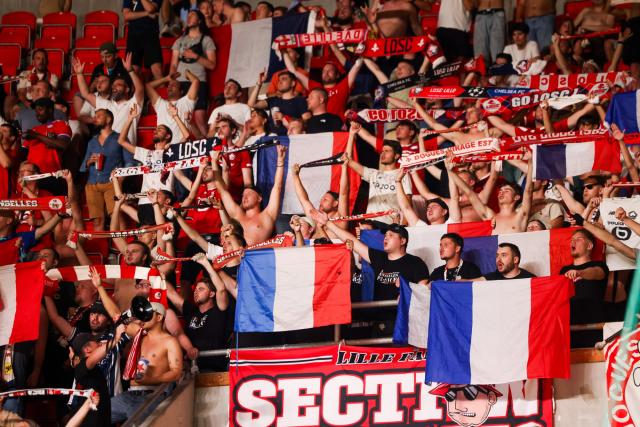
(470, 392)
(143, 285)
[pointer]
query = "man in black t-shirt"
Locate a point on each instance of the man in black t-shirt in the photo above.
(590, 277)
(205, 320)
(320, 120)
(389, 264)
(455, 268)
(508, 264)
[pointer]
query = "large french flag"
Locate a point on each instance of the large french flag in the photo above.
(424, 242)
(573, 159)
(412, 320)
(544, 253)
(317, 181)
(21, 288)
(244, 50)
(499, 331)
(624, 111)
(286, 289)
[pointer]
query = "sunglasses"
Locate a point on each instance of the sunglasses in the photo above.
(470, 392)
(590, 186)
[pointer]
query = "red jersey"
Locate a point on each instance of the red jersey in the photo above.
(338, 95)
(45, 157)
(205, 220)
(45, 241)
(237, 161)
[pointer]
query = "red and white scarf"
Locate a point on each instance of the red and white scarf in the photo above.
(422, 160)
(549, 82)
(280, 241)
(608, 32)
(81, 272)
(287, 41)
(360, 217)
(72, 241)
(36, 177)
(53, 203)
(131, 367)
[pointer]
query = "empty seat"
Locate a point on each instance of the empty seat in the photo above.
(98, 33)
(10, 58)
(20, 18)
(90, 58)
(103, 17)
(58, 34)
(18, 33)
(61, 18)
(573, 8)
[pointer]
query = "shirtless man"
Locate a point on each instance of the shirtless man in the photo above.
(258, 224)
(540, 16)
(594, 18)
(395, 18)
(509, 219)
(161, 359)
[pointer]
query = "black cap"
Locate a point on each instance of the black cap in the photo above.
(43, 102)
(99, 308)
(80, 340)
(400, 230)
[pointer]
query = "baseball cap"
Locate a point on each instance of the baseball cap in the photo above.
(108, 47)
(400, 230)
(99, 308)
(80, 340)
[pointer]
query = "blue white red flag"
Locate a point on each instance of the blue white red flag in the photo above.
(412, 320)
(499, 331)
(624, 111)
(573, 159)
(317, 181)
(243, 50)
(286, 289)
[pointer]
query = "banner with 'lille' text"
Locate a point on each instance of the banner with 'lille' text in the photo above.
(363, 386)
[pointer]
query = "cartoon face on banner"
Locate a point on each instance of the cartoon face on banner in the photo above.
(468, 405)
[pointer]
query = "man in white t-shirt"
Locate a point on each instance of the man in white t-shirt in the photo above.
(84, 110)
(382, 182)
(232, 107)
(154, 158)
(185, 103)
(121, 101)
(522, 49)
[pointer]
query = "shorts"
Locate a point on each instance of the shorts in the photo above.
(99, 196)
(144, 47)
(202, 103)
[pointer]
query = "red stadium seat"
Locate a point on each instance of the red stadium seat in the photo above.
(20, 34)
(56, 61)
(52, 43)
(57, 34)
(145, 137)
(10, 54)
(103, 17)
(90, 57)
(167, 53)
(573, 8)
(20, 18)
(61, 18)
(167, 41)
(98, 33)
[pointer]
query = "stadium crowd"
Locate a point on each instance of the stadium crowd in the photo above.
(85, 124)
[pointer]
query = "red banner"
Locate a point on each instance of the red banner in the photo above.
(391, 46)
(363, 386)
(53, 203)
(623, 380)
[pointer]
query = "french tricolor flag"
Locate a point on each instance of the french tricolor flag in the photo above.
(543, 252)
(286, 289)
(317, 181)
(243, 50)
(499, 331)
(412, 320)
(21, 288)
(624, 111)
(573, 159)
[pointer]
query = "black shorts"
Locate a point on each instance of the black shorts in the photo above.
(202, 103)
(455, 43)
(144, 47)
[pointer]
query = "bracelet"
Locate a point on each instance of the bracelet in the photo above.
(280, 165)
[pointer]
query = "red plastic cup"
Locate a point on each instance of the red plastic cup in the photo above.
(100, 162)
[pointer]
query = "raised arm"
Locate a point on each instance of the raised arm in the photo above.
(195, 185)
(122, 138)
(321, 220)
(190, 232)
(59, 322)
(109, 304)
(288, 62)
(618, 135)
(78, 69)
(527, 197)
(303, 196)
(114, 225)
(222, 297)
(253, 102)
(273, 207)
(455, 214)
(484, 211)
(173, 112)
(47, 226)
(608, 239)
(621, 215)
(230, 205)
(405, 205)
(499, 123)
(573, 205)
(138, 85)
(353, 72)
(174, 296)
